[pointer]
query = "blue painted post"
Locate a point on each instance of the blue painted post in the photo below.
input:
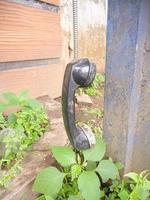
(127, 89)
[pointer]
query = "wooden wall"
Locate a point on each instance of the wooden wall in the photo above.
(30, 47)
(55, 2)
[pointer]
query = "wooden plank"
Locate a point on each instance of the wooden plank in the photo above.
(28, 33)
(55, 2)
(39, 81)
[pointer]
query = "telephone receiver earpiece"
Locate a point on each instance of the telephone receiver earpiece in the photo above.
(79, 73)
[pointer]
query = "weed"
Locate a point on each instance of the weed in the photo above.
(96, 129)
(88, 175)
(94, 111)
(93, 89)
(10, 144)
(6, 176)
(133, 187)
(18, 130)
(2, 121)
(80, 175)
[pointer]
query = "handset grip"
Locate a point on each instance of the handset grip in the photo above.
(68, 104)
(78, 73)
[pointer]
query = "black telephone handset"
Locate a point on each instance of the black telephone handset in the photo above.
(79, 73)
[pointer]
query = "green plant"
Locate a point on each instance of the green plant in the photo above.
(80, 175)
(2, 121)
(10, 144)
(94, 111)
(7, 175)
(97, 129)
(33, 121)
(23, 127)
(86, 175)
(139, 186)
(10, 99)
(99, 80)
(18, 130)
(132, 187)
(93, 89)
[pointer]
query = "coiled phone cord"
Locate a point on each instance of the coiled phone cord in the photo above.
(75, 27)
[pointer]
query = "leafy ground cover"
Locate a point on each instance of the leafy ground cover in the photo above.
(92, 115)
(18, 131)
(89, 174)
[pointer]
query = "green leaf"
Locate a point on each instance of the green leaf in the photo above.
(49, 181)
(135, 195)
(134, 176)
(12, 118)
(123, 195)
(11, 98)
(75, 171)
(143, 194)
(107, 170)
(3, 107)
(23, 96)
(73, 197)
(144, 174)
(146, 185)
(33, 103)
(64, 155)
(2, 121)
(97, 152)
(91, 165)
(119, 165)
(89, 185)
(48, 198)
(41, 197)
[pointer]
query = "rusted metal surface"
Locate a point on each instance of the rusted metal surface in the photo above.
(127, 93)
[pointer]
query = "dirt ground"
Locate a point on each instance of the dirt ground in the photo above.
(91, 119)
(98, 102)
